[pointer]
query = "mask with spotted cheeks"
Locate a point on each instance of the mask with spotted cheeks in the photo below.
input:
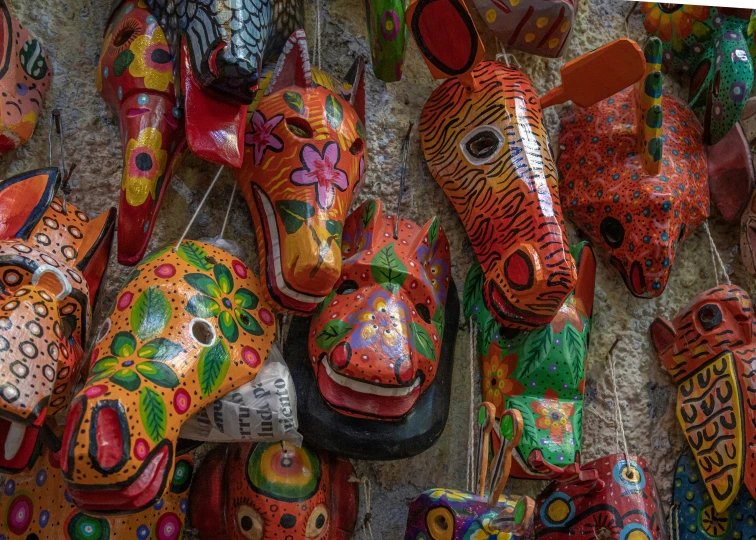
(540, 373)
(25, 76)
(259, 491)
(611, 498)
(695, 517)
(380, 353)
(34, 504)
(485, 143)
(715, 47)
(52, 260)
(187, 328)
(541, 27)
(708, 349)
(387, 35)
(304, 158)
(634, 177)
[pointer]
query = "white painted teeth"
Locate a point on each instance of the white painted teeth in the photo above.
(14, 439)
(365, 388)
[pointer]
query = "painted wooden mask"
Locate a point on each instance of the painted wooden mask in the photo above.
(388, 37)
(693, 514)
(710, 45)
(25, 76)
(135, 77)
(52, 259)
(612, 498)
(635, 185)
(304, 157)
(541, 27)
(707, 350)
(187, 328)
(541, 373)
(273, 491)
(35, 504)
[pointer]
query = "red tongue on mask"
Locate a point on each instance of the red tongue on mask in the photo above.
(214, 128)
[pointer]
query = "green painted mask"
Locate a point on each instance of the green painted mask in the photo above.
(388, 37)
(541, 373)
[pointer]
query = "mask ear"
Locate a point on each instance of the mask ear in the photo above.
(293, 67)
(731, 173)
(345, 503)
(662, 335)
(356, 80)
(586, 278)
(24, 198)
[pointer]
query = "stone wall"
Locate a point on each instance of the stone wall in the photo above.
(72, 32)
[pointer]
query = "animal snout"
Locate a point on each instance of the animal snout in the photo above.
(235, 76)
(317, 267)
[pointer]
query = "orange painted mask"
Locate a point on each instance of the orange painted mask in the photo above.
(135, 77)
(35, 504)
(187, 328)
(376, 340)
(52, 259)
(273, 491)
(708, 350)
(304, 158)
(25, 76)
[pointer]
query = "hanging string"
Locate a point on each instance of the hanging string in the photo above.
(403, 175)
(228, 210)
(502, 54)
(673, 522)
(627, 19)
(317, 53)
(471, 412)
(367, 527)
(56, 125)
(715, 254)
(197, 211)
(618, 411)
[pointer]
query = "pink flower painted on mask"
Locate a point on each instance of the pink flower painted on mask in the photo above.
(321, 171)
(261, 137)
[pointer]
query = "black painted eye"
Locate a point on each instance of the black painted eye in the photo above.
(612, 231)
(483, 144)
(249, 523)
(710, 316)
(347, 287)
(316, 522)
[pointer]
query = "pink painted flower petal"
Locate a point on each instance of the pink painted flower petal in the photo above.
(302, 177)
(331, 154)
(310, 157)
(325, 195)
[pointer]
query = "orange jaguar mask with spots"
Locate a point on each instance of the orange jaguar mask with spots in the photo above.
(273, 491)
(187, 328)
(304, 158)
(52, 258)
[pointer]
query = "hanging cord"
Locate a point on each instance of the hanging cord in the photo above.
(228, 210)
(502, 54)
(367, 528)
(197, 211)
(618, 411)
(317, 52)
(402, 176)
(56, 125)
(673, 522)
(471, 413)
(715, 257)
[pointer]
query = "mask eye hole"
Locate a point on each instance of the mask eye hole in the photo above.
(249, 523)
(202, 332)
(316, 523)
(710, 316)
(126, 33)
(347, 287)
(481, 144)
(299, 127)
(612, 231)
(440, 523)
(357, 146)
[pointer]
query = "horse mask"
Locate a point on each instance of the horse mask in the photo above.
(135, 76)
(52, 259)
(611, 498)
(484, 140)
(388, 37)
(304, 157)
(379, 349)
(709, 44)
(187, 328)
(707, 349)
(25, 76)
(273, 490)
(634, 177)
(539, 373)
(541, 27)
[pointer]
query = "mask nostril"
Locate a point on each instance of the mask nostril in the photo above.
(202, 332)
(519, 271)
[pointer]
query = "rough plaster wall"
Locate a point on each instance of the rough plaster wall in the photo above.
(72, 32)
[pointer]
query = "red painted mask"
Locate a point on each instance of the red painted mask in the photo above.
(376, 340)
(304, 158)
(273, 491)
(52, 259)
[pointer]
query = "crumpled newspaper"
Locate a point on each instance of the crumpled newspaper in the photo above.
(264, 409)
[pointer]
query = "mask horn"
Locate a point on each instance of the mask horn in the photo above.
(293, 67)
(356, 79)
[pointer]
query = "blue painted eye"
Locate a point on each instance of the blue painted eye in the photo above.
(635, 531)
(629, 475)
(557, 510)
